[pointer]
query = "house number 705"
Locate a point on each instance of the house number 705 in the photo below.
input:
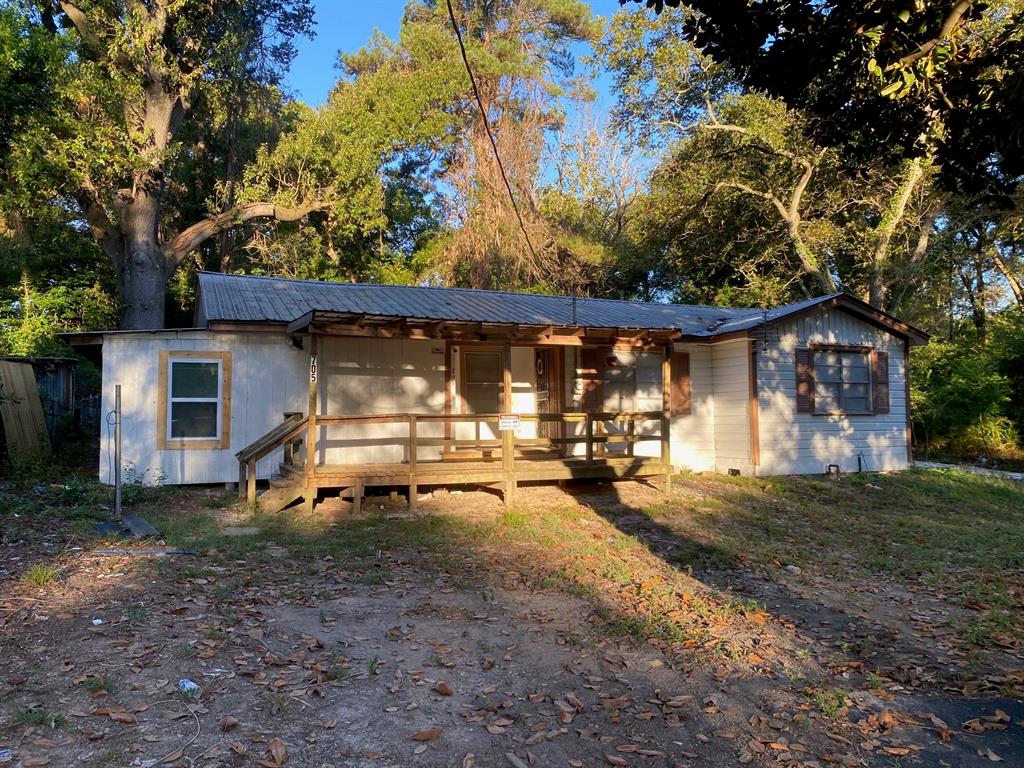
(312, 369)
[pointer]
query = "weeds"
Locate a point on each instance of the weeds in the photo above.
(94, 684)
(35, 716)
(41, 574)
(830, 702)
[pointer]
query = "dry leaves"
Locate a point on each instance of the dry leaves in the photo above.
(428, 735)
(278, 752)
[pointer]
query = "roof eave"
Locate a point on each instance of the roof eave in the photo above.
(863, 310)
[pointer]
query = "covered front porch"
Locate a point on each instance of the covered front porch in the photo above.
(399, 403)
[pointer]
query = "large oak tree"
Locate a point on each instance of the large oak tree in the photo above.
(134, 71)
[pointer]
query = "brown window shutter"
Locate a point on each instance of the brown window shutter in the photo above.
(880, 381)
(804, 381)
(681, 387)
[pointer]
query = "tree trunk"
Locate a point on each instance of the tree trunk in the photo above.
(878, 286)
(143, 270)
(1011, 279)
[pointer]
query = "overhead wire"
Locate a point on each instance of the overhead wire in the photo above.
(487, 128)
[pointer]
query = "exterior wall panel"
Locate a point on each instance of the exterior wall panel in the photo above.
(268, 378)
(693, 434)
(805, 443)
(730, 362)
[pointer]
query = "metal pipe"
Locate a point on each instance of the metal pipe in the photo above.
(117, 452)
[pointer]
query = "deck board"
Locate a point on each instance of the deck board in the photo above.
(443, 472)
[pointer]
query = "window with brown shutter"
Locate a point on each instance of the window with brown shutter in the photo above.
(842, 379)
(681, 387)
(880, 381)
(804, 381)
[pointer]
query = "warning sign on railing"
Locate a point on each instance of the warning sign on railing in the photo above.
(508, 422)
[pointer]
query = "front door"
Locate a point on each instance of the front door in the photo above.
(543, 360)
(483, 387)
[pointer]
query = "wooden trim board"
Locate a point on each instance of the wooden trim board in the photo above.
(163, 443)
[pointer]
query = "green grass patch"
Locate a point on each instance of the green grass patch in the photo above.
(35, 716)
(41, 574)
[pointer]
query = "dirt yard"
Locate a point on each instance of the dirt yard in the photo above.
(873, 621)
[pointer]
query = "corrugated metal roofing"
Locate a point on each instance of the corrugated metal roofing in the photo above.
(247, 298)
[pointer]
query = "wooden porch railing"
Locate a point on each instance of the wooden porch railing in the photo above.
(285, 434)
(414, 469)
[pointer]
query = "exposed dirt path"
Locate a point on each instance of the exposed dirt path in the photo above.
(393, 659)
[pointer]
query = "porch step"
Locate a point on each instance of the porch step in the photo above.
(295, 470)
(282, 492)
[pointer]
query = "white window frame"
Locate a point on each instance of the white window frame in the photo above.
(841, 352)
(167, 358)
(171, 399)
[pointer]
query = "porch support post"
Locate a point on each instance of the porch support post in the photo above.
(413, 489)
(250, 485)
(311, 429)
(666, 415)
(508, 443)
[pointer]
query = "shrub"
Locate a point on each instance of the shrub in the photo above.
(956, 387)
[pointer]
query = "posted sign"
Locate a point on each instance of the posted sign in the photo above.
(508, 422)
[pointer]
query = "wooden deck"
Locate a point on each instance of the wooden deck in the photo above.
(608, 446)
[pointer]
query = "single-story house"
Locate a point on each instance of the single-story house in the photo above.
(417, 386)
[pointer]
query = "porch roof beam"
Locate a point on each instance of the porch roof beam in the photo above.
(385, 326)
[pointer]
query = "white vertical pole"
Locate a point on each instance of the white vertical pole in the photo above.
(117, 452)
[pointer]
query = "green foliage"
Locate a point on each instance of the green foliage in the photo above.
(41, 574)
(884, 81)
(959, 396)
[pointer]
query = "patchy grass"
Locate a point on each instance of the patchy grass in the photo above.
(96, 684)
(949, 529)
(41, 574)
(35, 716)
(924, 527)
(830, 702)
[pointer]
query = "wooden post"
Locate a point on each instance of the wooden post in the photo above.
(589, 428)
(413, 490)
(357, 498)
(508, 442)
(666, 416)
(630, 434)
(250, 483)
(241, 481)
(314, 377)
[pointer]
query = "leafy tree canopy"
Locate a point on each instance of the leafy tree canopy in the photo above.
(896, 78)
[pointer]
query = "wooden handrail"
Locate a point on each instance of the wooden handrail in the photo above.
(286, 433)
(273, 439)
(564, 418)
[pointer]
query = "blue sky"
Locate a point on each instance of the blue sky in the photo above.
(345, 25)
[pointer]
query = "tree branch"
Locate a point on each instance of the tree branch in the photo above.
(81, 23)
(106, 233)
(189, 239)
(952, 20)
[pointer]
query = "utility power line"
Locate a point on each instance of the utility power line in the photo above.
(487, 127)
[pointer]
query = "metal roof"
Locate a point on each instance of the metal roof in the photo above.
(247, 298)
(257, 299)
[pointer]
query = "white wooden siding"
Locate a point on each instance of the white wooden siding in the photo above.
(693, 435)
(268, 377)
(730, 361)
(366, 376)
(805, 443)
